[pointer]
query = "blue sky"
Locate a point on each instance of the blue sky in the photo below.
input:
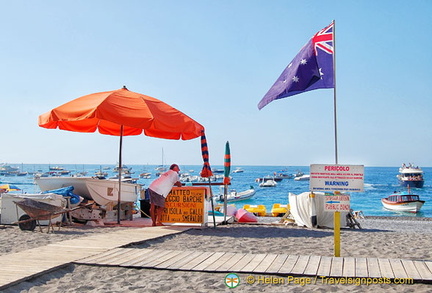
(215, 60)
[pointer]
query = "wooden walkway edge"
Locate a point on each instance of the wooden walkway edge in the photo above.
(274, 264)
(105, 249)
(24, 265)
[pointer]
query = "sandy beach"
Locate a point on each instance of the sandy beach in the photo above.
(405, 238)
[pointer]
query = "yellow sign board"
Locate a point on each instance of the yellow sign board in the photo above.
(186, 205)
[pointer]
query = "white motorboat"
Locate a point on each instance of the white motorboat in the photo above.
(238, 170)
(233, 195)
(403, 202)
(411, 176)
(99, 190)
(105, 191)
(268, 183)
(304, 177)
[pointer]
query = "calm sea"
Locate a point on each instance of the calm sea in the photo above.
(379, 183)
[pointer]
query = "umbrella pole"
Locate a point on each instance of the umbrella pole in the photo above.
(119, 174)
(225, 202)
(212, 205)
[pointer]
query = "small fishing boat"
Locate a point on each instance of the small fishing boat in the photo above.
(233, 195)
(411, 176)
(403, 202)
(304, 177)
(268, 183)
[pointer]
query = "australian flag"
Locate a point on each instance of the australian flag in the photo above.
(311, 69)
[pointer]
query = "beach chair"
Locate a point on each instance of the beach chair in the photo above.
(351, 220)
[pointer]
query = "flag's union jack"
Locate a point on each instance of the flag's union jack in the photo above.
(308, 71)
(324, 40)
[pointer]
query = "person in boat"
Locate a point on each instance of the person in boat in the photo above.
(159, 190)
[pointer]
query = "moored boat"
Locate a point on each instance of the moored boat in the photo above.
(268, 183)
(403, 202)
(411, 176)
(304, 177)
(233, 195)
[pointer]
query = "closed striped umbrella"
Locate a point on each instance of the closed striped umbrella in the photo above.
(206, 170)
(227, 164)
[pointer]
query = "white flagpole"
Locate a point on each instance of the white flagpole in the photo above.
(334, 92)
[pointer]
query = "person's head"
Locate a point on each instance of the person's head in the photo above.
(175, 167)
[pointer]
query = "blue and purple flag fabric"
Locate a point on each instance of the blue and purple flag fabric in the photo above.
(311, 69)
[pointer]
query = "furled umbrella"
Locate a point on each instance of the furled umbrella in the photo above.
(206, 171)
(122, 113)
(227, 179)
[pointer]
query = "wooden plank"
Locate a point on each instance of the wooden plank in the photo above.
(203, 265)
(196, 261)
(385, 268)
(93, 258)
(300, 265)
(113, 258)
(265, 263)
(324, 266)
(373, 268)
(185, 260)
(130, 255)
(312, 266)
(398, 269)
(242, 263)
(173, 260)
(428, 264)
(139, 256)
(336, 267)
(411, 269)
(349, 267)
(277, 263)
(226, 267)
(146, 261)
(104, 257)
(361, 269)
(288, 264)
(160, 260)
(222, 260)
(254, 262)
(423, 270)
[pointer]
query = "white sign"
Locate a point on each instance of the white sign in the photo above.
(337, 203)
(327, 177)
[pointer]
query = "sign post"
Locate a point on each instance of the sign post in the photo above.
(336, 179)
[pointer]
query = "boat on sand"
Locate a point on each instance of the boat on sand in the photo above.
(102, 191)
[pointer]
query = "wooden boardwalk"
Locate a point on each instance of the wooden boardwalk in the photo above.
(21, 266)
(272, 264)
(105, 249)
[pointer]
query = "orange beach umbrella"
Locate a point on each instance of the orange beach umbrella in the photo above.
(122, 113)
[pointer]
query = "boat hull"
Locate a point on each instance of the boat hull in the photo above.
(412, 183)
(244, 216)
(234, 196)
(404, 206)
(104, 192)
(100, 190)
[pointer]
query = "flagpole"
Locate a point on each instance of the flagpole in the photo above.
(334, 92)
